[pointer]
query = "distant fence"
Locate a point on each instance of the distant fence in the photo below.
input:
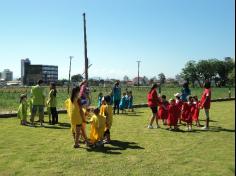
(143, 105)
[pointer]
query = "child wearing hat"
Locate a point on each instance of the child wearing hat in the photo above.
(22, 110)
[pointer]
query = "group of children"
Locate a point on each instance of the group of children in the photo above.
(81, 114)
(177, 111)
(126, 101)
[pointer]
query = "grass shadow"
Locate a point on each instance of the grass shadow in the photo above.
(64, 124)
(57, 127)
(115, 147)
(218, 129)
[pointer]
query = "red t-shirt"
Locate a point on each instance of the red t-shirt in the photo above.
(152, 98)
(206, 99)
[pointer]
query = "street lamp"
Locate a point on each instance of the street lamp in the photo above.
(138, 70)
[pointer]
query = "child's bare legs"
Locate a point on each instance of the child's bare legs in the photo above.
(157, 121)
(152, 119)
(77, 135)
(207, 117)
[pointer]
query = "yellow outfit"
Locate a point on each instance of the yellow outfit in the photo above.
(98, 124)
(73, 112)
(106, 110)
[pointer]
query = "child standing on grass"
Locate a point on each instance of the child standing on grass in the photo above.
(188, 110)
(179, 104)
(123, 103)
(100, 95)
(22, 110)
(75, 113)
(109, 120)
(130, 101)
(52, 103)
(196, 111)
(85, 114)
(153, 101)
(98, 123)
(163, 109)
(172, 120)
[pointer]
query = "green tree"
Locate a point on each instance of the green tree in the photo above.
(190, 73)
(162, 78)
(77, 78)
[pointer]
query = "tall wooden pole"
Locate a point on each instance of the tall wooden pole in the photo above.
(85, 49)
(69, 82)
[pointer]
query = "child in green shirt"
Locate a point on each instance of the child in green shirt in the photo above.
(22, 110)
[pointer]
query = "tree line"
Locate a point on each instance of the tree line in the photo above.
(221, 72)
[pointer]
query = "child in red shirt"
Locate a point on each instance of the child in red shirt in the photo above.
(187, 113)
(179, 103)
(163, 109)
(196, 111)
(172, 115)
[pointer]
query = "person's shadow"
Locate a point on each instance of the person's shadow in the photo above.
(115, 147)
(218, 129)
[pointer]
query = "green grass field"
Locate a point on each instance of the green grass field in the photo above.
(9, 98)
(135, 150)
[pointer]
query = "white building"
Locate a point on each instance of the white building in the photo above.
(7, 75)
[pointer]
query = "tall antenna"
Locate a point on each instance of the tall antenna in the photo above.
(85, 49)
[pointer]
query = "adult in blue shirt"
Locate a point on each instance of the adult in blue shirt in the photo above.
(185, 92)
(116, 94)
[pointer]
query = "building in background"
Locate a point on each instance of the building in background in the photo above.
(30, 74)
(7, 75)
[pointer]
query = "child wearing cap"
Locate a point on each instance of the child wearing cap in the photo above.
(22, 110)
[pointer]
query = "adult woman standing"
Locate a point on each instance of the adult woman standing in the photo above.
(185, 92)
(116, 94)
(206, 102)
(153, 100)
(52, 103)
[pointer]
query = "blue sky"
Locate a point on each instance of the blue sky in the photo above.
(163, 34)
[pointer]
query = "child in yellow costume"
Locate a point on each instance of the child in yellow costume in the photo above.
(106, 110)
(75, 114)
(22, 110)
(98, 123)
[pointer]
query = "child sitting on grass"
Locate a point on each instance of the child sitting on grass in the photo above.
(22, 110)
(98, 123)
(75, 115)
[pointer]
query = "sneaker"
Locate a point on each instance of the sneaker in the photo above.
(41, 124)
(158, 126)
(150, 127)
(205, 128)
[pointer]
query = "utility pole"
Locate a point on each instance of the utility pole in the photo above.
(69, 82)
(138, 71)
(85, 49)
